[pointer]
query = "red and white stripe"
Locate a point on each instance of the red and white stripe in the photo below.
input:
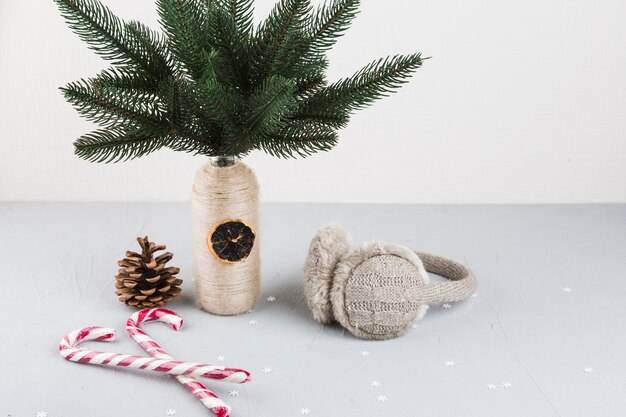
(202, 393)
(69, 350)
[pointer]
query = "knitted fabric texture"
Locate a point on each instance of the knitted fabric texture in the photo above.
(374, 290)
(462, 282)
(379, 295)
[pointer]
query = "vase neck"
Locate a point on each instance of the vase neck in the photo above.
(223, 161)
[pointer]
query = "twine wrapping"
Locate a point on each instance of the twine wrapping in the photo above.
(222, 193)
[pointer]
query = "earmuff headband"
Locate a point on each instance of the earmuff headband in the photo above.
(462, 282)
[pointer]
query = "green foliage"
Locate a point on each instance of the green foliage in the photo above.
(334, 103)
(329, 23)
(214, 84)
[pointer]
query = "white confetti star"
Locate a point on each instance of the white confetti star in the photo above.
(41, 414)
(475, 295)
(567, 289)
(365, 353)
(414, 326)
(447, 306)
(507, 385)
(221, 358)
(375, 383)
(382, 398)
(588, 370)
(253, 322)
(491, 386)
(233, 393)
(171, 412)
(271, 298)
(450, 363)
(305, 411)
(267, 370)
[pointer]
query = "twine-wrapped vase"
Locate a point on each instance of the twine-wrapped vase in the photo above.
(225, 216)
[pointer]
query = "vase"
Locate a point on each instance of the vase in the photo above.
(225, 222)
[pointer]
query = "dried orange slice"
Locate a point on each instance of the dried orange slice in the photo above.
(231, 241)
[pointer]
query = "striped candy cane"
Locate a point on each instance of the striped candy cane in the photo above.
(207, 397)
(69, 350)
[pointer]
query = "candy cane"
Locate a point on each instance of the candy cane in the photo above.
(69, 350)
(208, 398)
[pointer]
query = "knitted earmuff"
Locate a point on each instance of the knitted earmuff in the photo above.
(378, 290)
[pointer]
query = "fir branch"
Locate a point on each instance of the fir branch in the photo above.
(241, 13)
(194, 102)
(124, 79)
(279, 37)
(189, 118)
(337, 119)
(153, 48)
(184, 23)
(310, 76)
(329, 23)
(120, 144)
(269, 104)
(374, 81)
(229, 60)
(108, 105)
(194, 145)
(222, 101)
(303, 139)
(106, 35)
(267, 109)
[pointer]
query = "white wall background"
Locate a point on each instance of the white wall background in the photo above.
(524, 101)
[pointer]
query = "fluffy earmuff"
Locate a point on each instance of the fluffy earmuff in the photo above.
(325, 251)
(378, 290)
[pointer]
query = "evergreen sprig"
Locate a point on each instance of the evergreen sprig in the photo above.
(214, 84)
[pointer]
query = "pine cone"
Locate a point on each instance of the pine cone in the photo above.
(143, 280)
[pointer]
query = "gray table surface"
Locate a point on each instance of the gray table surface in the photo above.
(545, 334)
